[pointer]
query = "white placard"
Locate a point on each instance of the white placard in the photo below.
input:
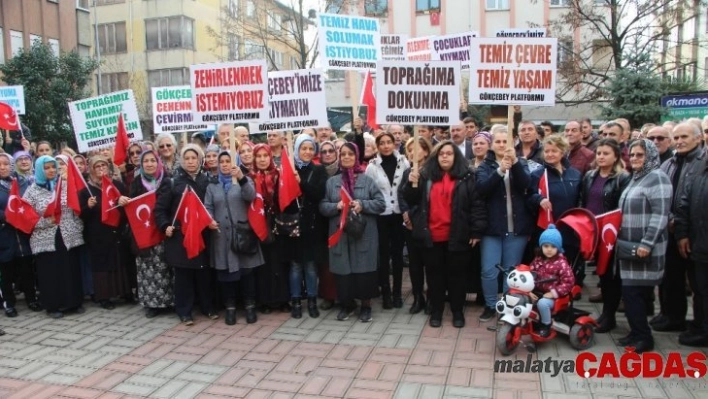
(172, 110)
(418, 92)
(95, 119)
(453, 47)
(296, 101)
(518, 71)
(229, 92)
(14, 96)
(520, 32)
(418, 49)
(393, 47)
(348, 42)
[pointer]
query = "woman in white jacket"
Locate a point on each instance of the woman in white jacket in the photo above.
(387, 170)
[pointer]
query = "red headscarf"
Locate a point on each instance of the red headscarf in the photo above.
(266, 180)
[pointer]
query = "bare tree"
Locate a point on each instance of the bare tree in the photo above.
(613, 29)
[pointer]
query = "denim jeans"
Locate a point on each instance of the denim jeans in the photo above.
(544, 306)
(506, 250)
(296, 274)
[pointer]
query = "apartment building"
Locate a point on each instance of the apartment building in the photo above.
(64, 25)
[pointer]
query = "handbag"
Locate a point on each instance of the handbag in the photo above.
(243, 239)
(287, 224)
(355, 225)
(627, 251)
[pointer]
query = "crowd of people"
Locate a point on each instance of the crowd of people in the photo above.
(452, 204)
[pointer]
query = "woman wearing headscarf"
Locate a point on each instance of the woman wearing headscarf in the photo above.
(195, 273)
(167, 147)
(211, 162)
(16, 266)
(23, 166)
(245, 152)
(227, 201)
(303, 251)
(354, 260)
(451, 221)
(386, 169)
(272, 281)
(155, 277)
(481, 142)
(129, 171)
(82, 164)
(645, 205)
(55, 245)
(327, 291)
(108, 251)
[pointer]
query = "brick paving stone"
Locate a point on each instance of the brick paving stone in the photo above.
(80, 393)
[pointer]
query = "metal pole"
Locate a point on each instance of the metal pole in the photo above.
(98, 46)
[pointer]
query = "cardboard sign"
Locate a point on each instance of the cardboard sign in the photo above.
(520, 32)
(513, 71)
(419, 49)
(349, 42)
(229, 92)
(393, 47)
(172, 110)
(95, 119)
(14, 96)
(418, 92)
(454, 47)
(296, 101)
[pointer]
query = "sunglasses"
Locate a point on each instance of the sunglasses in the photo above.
(327, 151)
(657, 138)
(632, 155)
(165, 145)
(135, 153)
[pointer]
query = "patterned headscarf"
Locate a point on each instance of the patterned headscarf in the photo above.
(485, 135)
(39, 177)
(349, 174)
(266, 180)
(651, 158)
(7, 181)
(302, 139)
(151, 182)
(225, 179)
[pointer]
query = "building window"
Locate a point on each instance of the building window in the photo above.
(335, 74)
(233, 8)
(107, 2)
(111, 82)
(168, 77)
(565, 52)
(233, 47)
(34, 38)
(82, 4)
(427, 5)
(375, 8)
(274, 22)
(250, 8)
(600, 2)
(16, 42)
(497, 4)
(111, 38)
(253, 51)
(705, 69)
(84, 50)
(54, 45)
(335, 6)
(560, 3)
(167, 33)
(2, 47)
(276, 59)
(293, 63)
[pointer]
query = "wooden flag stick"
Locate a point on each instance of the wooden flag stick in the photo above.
(416, 149)
(510, 126)
(291, 144)
(232, 150)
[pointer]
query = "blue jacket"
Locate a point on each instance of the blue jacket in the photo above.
(13, 243)
(491, 185)
(564, 190)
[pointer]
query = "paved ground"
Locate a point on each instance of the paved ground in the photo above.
(121, 354)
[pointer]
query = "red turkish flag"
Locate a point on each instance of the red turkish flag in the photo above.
(347, 200)
(435, 18)
(74, 183)
(256, 215)
(122, 142)
(19, 213)
(142, 221)
(545, 217)
(608, 225)
(288, 187)
(194, 218)
(109, 199)
(54, 206)
(369, 99)
(8, 118)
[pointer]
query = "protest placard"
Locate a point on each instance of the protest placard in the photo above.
(229, 92)
(519, 71)
(297, 101)
(95, 119)
(172, 110)
(418, 92)
(521, 32)
(14, 96)
(418, 48)
(393, 47)
(453, 47)
(349, 42)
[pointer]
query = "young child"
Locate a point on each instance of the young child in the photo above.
(551, 264)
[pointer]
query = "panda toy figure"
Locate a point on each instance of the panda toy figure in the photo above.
(516, 304)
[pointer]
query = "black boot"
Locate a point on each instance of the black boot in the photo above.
(296, 311)
(251, 316)
(312, 307)
(418, 304)
(230, 317)
(387, 303)
(607, 324)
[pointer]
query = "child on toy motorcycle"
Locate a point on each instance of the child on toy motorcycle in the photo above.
(549, 265)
